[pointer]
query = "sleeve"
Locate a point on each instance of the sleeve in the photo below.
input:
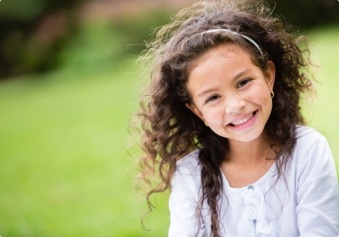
(182, 204)
(317, 193)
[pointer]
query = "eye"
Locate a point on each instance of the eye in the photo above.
(243, 83)
(212, 98)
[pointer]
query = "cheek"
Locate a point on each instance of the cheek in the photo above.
(261, 96)
(213, 117)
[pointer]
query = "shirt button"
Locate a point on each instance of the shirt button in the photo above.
(250, 187)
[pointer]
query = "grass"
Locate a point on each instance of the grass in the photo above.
(64, 166)
(65, 169)
(323, 113)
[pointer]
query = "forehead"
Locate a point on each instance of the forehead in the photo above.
(224, 50)
(229, 53)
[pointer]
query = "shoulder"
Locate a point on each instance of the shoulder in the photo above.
(315, 184)
(187, 174)
(184, 197)
(311, 148)
(189, 164)
(304, 132)
(307, 138)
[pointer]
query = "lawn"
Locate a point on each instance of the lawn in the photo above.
(322, 111)
(66, 167)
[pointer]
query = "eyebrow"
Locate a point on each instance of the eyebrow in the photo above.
(239, 74)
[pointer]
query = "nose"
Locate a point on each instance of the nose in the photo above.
(234, 104)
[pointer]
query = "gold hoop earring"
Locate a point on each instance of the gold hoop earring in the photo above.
(272, 94)
(206, 124)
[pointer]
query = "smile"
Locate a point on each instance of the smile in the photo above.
(243, 120)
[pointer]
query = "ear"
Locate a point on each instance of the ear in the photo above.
(195, 110)
(270, 74)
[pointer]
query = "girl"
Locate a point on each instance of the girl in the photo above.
(224, 131)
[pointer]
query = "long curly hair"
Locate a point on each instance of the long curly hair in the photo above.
(170, 130)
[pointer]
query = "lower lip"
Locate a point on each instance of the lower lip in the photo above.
(249, 123)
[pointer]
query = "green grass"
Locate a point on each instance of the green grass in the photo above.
(323, 111)
(65, 169)
(64, 165)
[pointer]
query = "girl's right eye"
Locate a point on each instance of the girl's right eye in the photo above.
(212, 98)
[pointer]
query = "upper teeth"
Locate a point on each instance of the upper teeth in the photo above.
(244, 120)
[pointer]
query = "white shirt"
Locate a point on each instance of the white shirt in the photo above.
(305, 203)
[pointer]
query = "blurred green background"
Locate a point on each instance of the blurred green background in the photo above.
(68, 85)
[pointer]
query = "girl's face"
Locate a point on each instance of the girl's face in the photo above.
(230, 93)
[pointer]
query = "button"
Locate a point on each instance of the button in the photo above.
(250, 187)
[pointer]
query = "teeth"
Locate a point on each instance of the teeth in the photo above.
(242, 121)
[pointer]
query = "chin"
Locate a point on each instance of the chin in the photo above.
(246, 137)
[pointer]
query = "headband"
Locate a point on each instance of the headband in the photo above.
(238, 34)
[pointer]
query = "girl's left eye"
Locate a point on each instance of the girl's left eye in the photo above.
(243, 83)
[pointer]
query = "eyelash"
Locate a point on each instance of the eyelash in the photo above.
(243, 83)
(213, 97)
(240, 84)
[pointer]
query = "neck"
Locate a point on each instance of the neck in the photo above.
(249, 152)
(248, 161)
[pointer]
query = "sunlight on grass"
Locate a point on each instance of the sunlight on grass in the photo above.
(323, 113)
(65, 169)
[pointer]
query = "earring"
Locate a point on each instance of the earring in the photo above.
(272, 94)
(206, 124)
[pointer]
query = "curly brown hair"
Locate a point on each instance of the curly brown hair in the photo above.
(171, 130)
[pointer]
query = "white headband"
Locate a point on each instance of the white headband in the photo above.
(235, 33)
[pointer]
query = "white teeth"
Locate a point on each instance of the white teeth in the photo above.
(242, 121)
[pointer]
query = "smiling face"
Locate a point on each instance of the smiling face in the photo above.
(230, 93)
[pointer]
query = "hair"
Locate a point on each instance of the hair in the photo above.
(170, 130)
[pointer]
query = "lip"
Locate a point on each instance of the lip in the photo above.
(244, 122)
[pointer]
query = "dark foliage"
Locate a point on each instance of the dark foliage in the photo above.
(32, 32)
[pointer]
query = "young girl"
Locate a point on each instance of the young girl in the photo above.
(224, 132)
